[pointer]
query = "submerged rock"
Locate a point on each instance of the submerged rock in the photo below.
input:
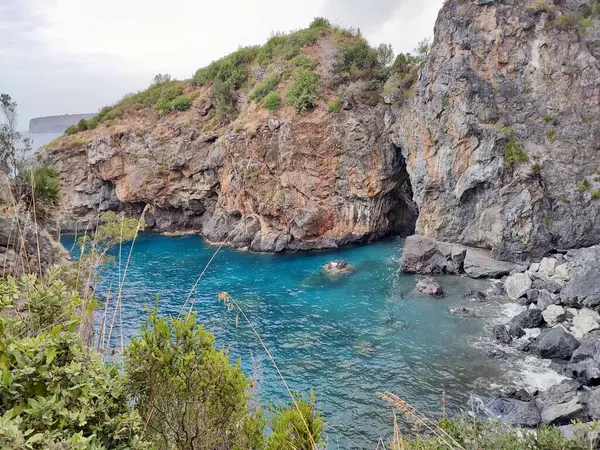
(430, 287)
(501, 334)
(338, 266)
(462, 311)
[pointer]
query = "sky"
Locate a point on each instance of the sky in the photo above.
(76, 56)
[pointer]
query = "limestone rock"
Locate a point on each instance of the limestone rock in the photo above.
(594, 404)
(493, 74)
(517, 285)
(547, 267)
(585, 321)
(554, 314)
(430, 287)
(480, 264)
(427, 256)
(500, 333)
(556, 343)
(338, 266)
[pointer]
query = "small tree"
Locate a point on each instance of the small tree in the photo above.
(13, 146)
(385, 54)
(161, 78)
(423, 48)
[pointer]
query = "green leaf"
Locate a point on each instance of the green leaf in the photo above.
(6, 378)
(50, 354)
(35, 438)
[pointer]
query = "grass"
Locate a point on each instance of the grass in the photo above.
(335, 105)
(272, 101)
(266, 85)
(303, 93)
(585, 185)
(513, 152)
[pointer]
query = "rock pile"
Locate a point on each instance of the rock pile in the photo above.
(559, 303)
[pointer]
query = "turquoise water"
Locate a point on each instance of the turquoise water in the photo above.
(348, 337)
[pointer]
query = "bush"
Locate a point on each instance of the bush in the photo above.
(304, 92)
(304, 62)
(335, 106)
(585, 185)
(82, 125)
(266, 85)
(272, 101)
(183, 387)
(320, 22)
(181, 103)
(167, 96)
(513, 153)
(55, 392)
(231, 69)
(290, 430)
(355, 56)
(40, 191)
(71, 130)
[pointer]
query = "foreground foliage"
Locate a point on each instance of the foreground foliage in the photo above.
(476, 434)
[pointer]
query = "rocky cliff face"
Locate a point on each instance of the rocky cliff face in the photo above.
(502, 133)
(497, 146)
(319, 181)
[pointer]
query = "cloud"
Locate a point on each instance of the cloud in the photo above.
(68, 56)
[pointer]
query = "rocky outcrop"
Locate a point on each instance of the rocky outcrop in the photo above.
(26, 248)
(56, 124)
(316, 182)
(501, 136)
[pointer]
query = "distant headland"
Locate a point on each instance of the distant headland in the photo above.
(56, 124)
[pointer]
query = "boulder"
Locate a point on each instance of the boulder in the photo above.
(532, 295)
(338, 267)
(517, 285)
(514, 412)
(583, 288)
(545, 299)
(430, 287)
(594, 404)
(475, 296)
(585, 321)
(562, 274)
(478, 263)
(462, 311)
(548, 285)
(563, 413)
(427, 256)
(554, 315)
(531, 318)
(586, 372)
(589, 348)
(556, 343)
(559, 393)
(500, 333)
(547, 267)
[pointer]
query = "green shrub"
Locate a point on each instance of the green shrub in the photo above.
(513, 153)
(167, 97)
(40, 191)
(272, 101)
(82, 125)
(290, 431)
(320, 22)
(596, 194)
(232, 68)
(304, 91)
(183, 387)
(304, 62)
(585, 185)
(224, 97)
(55, 392)
(550, 135)
(548, 117)
(71, 130)
(266, 85)
(335, 106)
(181, 103)
(355, 56)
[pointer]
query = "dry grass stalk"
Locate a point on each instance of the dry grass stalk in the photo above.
(411, 412)
(229, 300)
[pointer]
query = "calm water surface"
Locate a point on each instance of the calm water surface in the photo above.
(347, 337)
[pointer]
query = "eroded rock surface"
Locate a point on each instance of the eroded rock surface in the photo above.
(506, 80)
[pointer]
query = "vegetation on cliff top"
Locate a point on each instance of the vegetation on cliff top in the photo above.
(304, 69)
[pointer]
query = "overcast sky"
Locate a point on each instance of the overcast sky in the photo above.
(72, 56)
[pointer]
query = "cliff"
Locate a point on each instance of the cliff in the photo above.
(502, 133)
(495, 141)
(56, 124)
(264, 180)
